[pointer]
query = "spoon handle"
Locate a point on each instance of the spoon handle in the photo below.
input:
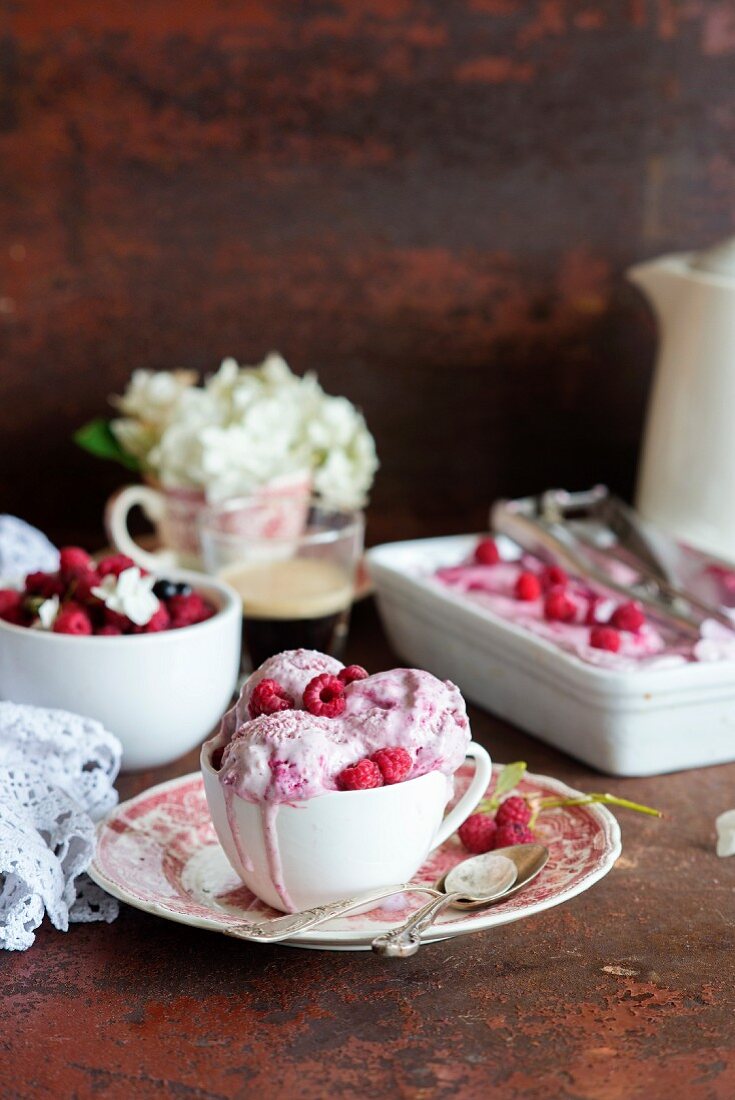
(282, 928)
(405, 940)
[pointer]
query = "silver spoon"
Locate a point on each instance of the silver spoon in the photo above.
(290, 924)
(472, 884)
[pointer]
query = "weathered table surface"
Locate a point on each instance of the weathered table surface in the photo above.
(625, 992)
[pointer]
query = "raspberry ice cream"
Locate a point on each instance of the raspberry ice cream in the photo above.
(291, 755)
(565, 611)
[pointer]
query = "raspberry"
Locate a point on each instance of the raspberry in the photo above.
(351, 673)
(268, 698)
(527, 587)
(73, 619)
(325, 696)
(360, 777)
(513, 832)
(486, 552)
(553, 576)
(477, 833)
(394, 764)
(159, 620)
(114, 565)
(590, 617)
(121, 622)
(513, 809)
(605, 637)
(558, 607)
(628, 616)
(109, 629)
(188, 610)
(44, 584)
(10, 603)
(73, 562)
(83, 585)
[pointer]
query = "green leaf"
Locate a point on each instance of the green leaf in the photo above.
(508, 780)
(97, 438)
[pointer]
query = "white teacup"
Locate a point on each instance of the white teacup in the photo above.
(275, 510)
(343, 843)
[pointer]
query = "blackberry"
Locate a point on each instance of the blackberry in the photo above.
(165, 589)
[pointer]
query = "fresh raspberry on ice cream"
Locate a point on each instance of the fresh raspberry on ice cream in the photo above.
(360, 777)
(527, 587)
(628, 616)
(486, 552)
(605, 637)
(558, 607)
(269, 698)
(352, 673)
(553, 576)
(394, 764)
(324, 696)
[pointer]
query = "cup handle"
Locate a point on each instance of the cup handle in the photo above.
(116, 524)
(471, 797)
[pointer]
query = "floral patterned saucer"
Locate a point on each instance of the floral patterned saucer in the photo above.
(159, 853)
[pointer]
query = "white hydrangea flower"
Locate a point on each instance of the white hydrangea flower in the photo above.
(129, 594)
(245, 427)
(152, 396)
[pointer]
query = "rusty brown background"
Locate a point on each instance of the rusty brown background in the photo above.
(431, 202)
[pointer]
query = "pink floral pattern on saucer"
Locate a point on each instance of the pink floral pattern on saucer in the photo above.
(159, 852)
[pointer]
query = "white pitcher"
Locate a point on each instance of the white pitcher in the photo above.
(686, 482)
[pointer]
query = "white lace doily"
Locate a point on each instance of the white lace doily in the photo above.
(56, 776)
(24, 549)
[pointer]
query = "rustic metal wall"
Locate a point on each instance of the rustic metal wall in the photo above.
(430, 201)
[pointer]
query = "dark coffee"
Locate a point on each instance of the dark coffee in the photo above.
(302, 603)
(261, 638)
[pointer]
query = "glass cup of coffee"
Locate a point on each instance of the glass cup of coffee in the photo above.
(296, 586)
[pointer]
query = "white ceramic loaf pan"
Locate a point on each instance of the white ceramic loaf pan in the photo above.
(640, 722)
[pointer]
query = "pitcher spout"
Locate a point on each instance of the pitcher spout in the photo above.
(660, 281)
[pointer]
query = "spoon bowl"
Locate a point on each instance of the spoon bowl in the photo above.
(473, 884)
(529, 860)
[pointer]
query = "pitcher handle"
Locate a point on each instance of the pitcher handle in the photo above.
(471, 797)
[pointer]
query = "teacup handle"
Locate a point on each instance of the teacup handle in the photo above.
(117, 510)
(471, 797)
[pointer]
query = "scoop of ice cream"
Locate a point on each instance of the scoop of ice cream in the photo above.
(285, 757)
(410, 709)
(293, 669)
(293, 755)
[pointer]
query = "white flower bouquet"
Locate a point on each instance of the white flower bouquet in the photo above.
(241, 429)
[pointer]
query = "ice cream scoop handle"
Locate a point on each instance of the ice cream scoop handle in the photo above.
(282, 928)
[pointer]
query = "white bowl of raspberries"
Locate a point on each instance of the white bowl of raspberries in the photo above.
(155, 659)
